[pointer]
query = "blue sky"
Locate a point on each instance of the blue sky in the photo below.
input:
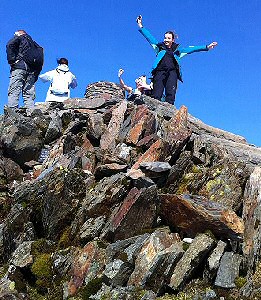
(221, 87)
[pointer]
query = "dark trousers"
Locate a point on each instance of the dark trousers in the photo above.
(167, 80)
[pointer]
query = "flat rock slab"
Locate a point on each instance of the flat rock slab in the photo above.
(194, 214)
(84, 103)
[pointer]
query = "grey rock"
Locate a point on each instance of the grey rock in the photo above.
(228, 270)
(62, 262)
(156, 260)
(20, 137)
(22, 256)
(130, 247)
(117, 273)
(13, 229)
(252, 220)
(191, 260)
(54, 130)
(155, 169)
(214, 259)
(91, 228)
(108, 192)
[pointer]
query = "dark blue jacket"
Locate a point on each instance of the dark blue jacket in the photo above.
(18, 44)
(178, 53)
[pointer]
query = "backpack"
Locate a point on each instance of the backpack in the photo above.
(33, 55)
(60, 82)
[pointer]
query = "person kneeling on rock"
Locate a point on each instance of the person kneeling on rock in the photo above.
(142, 88)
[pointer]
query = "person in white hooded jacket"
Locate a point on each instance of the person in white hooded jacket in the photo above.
(61, 81)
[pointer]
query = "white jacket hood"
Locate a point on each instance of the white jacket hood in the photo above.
(63, 68)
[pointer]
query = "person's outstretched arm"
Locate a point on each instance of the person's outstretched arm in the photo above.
(148, 36)
(122, 83)
(191, 49)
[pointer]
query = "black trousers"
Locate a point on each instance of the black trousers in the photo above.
(167, 80)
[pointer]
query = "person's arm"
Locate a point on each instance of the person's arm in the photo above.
(148, 36)
(73, 83)
(12, 50)
(48, 76)
(122, 83)
(192, 49)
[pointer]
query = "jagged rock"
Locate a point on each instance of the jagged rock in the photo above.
(147, 141)
(142, 182)
(155, 169)
(53, 200)
(106, 194)
(13, 230)
(108, 139)
(54, 130)
(176, 132)
(83, 103)
(149, 295)
(191, 260)
(76, 126)
(228, 270)
(62, 262)
(156, 260)
(95, 126)
(252, 220)
(178, 170)
(143, 123)
(88, 265)
(10, 170)
(12, 285)
(128, 248)
(126, 293)
(107, 170)
(156, 152)
(91, 228)
(117, 273)
(214, 260)
(139, 208)
(22, 256)
(122, 152)
(21, 138)
(193, 214)
(238, 149)
(66, 199)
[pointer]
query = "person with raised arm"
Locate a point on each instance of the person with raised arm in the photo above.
(166, 69)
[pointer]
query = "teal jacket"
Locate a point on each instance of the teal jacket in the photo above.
(178, 53)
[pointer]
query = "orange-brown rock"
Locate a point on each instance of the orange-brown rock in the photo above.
(108, 139)
(194, 214)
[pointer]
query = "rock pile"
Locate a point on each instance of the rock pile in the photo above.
(107, 199)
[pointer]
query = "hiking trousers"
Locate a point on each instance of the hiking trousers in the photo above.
(21, 81)
(168, 80)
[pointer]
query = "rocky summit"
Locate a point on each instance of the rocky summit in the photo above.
(103, 198)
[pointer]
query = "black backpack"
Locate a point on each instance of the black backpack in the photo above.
(33, 55)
